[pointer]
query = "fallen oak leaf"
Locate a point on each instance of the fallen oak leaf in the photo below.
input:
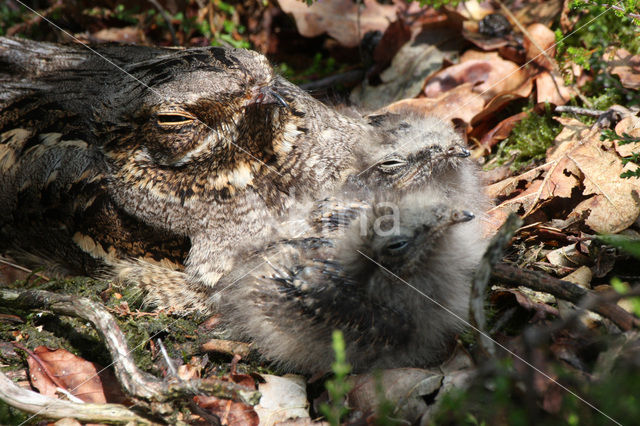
(50, 369)
(577, 158)
(625, 65)
(461, 100)
(340, 18)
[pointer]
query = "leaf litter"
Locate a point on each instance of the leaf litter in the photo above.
(575, 191)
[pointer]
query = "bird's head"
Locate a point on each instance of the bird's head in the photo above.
(410, 152)
(403, 236)
(197, 123)
(399, 234)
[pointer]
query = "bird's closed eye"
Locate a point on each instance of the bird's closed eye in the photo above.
(397, 247)
(174, 118)
(391, 163)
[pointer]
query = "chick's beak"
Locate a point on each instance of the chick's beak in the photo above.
(458, 151)
(462, 216)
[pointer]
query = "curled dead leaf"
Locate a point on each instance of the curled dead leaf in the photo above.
(488, 72)
(340, 18)
(580, 162)
(50, 369)
(540, 45)
(283, 398)
(551, 88)
(460, 102)
(625, 65)
(229, 412)
(631, 126)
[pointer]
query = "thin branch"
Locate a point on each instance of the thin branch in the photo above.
(167, 18)
(513, 276)
(492, 255)
(137, 383)
(581, 111)
(53, 408)
(618, 8)
(5, 261)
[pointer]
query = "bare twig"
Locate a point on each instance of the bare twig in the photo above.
(167, 18)
(348, 77)
(137, 383)
(492, 255)
(566, 290)
(53, 408)
(229, 347)
(581, 111)
(173, 372)
(618, 8)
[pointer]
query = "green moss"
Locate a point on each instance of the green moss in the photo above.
(597, 29)
(10, 17)
(320, 67)
(12, 416)
(528, 141)
(498, 396)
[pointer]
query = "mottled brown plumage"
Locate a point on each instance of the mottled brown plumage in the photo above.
(204, 158)
(288, 296)
(192, 148)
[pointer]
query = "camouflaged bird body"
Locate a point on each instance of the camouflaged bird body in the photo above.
(184, 154)
(398, 296)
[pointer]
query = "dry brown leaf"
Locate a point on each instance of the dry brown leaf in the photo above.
(625, 65)
(631, 126)
(577, 158)
(404, 78)
(394, 37)
(551, 88)
(540, 37)
(229, 412)
(460, 102)
(339, 18)
(283, 398)
(539, 44)
(122, 35)
(502, 130)
(78, 376)
(10, 272)
(487, 71)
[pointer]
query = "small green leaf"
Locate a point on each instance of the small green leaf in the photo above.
(623, 242)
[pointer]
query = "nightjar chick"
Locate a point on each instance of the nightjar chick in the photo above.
(289, 295)
(413, 152)
(416, 151)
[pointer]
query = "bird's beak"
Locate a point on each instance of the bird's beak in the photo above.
(459, 216)
(458, 151)
(266, 95)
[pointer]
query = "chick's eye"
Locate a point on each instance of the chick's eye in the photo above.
(397, 247)
(174, 118)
